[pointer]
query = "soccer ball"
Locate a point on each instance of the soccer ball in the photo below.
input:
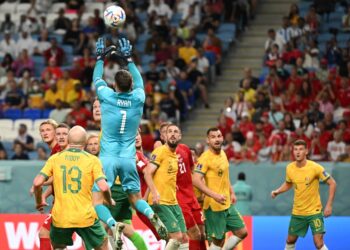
(114, 16)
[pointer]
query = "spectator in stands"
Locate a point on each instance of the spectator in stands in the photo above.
(43, 42)
(75, 6)
(333, 53)
(183, 31)
(246, 125)
(186, 88)
(312, 19)
(314, 112)
(72, 36)
(225, 125)
(212, 43)
(209, 19)
(61, 23)
(343, 94)
(8, 45)
(25, 81)
(79, 114)
(240, 105)
(169, 105)
(152, 74)
(248, 92)
(324, 100)
(274, 38)
(42, 154)
(66, 84)
(8, 26)
(35, 95)
(163, 54)
(90, 28)
(23, 138)
(172, 71)
(285, 30)
(187, 51)
(7, 63)
(248, 75)
(59, 113)
(336, 147)
(329, 122)
(52, 95)
(110, 69)
(346, 21)
(22, 63)
(77, 93)
(306, 126)
(319, 142)
(54, 52)
(192, 17)
(14, 97)
(281, 132)
(26, 42)
(53, 69)
(293, 14)
(312, 56)
(164, 81)
(202, 62)
(3, 154)
(19, 152)
(161, 8)
(76, 71)
(250, 148)
(99, 22)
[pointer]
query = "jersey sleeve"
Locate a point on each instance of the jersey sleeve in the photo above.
(288, 177)
(102, 89)
(97, 170)
(138, 92)
(321, 173)
(156, 156)
(46, 171)
(202, 165)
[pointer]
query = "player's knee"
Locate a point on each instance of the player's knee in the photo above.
(243, 233)
(319, 243)
(44, 233)
(176, 236)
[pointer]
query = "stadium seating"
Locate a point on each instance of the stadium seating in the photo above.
(32, 113)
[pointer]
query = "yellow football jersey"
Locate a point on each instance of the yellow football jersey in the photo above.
(74, 172)
(165, 177)
(215, 168)
(305, 180)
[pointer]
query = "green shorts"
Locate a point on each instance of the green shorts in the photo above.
(171, 216)
(299, 224)
(92, 236)
(218, 223)
(122, 210)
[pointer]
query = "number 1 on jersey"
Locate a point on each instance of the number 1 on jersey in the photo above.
(122, 126)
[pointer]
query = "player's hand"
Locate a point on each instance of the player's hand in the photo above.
(155, 198)
(274, 194)
(125, 48)
(40, 207)
(220, 199)
(101, 50)
(327, 211)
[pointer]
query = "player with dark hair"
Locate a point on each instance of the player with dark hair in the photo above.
(121, 114)
(305, 175)
(220, 214)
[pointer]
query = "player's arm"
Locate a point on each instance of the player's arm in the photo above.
(283, 188)
(38, 190)
(198, 182)
(125, 50)
(232, 195)
(148, 174)
(106, 192)
(332, 188)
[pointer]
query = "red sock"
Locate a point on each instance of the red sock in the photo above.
(197, 245)
(45, 244)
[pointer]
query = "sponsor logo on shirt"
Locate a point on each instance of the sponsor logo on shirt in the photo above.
(123, 103)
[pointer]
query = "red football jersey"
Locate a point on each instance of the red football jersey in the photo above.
(55, 149)
(184, 192)
(141, 163)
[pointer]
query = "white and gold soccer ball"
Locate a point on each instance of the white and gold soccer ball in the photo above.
(114, 16)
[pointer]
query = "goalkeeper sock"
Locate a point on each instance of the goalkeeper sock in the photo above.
(138, 241)
(105, 215)
(143, 207)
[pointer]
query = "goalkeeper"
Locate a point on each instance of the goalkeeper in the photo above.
(121, 114)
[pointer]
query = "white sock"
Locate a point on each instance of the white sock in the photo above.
(214, 247)
(289, 247)
(324, 247)
(184, 246)
(231, 242)
(111, 243)
(173, 245)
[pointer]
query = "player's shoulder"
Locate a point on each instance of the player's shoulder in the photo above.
(313, 164)
(205, 156)
(183, 147)
(157, 152)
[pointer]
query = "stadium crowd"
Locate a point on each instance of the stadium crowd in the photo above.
(303, 91)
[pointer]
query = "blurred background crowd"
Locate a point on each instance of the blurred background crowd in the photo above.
(47, 59)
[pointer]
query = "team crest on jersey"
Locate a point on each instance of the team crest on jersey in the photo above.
(307, 180)
(153, 157)
(199, 167)
(140, 164)
(220, 172)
